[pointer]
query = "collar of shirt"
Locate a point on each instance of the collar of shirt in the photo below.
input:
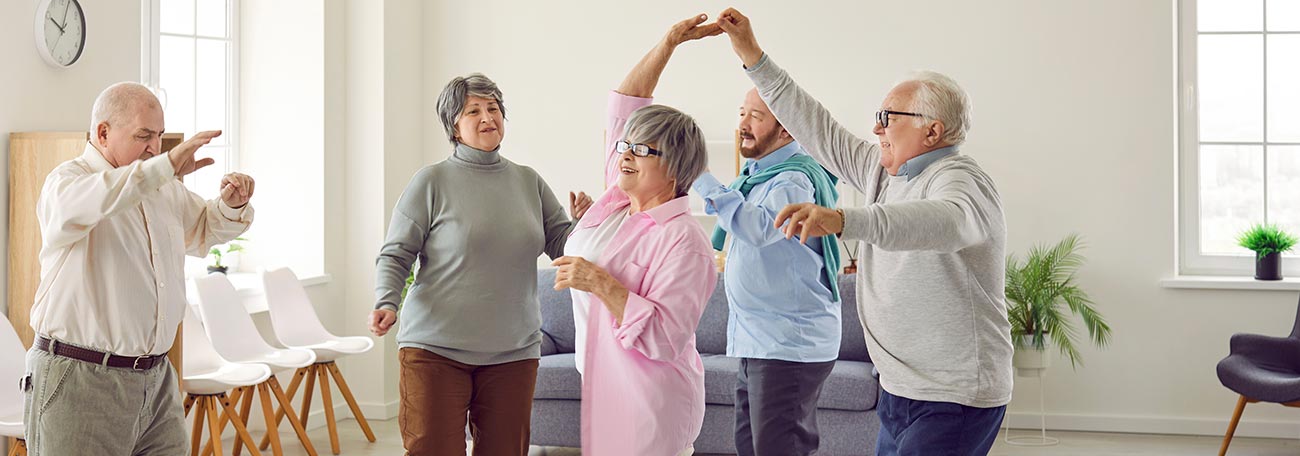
(95, 159)
(615, 199)
(917, 164)
(777, 156)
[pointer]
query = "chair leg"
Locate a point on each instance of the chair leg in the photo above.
(196, 434)
(328, 398)
(288, 408)
(20, 447)
(1232, 426)
(189, 402)
(13, 446)
(207, 449)
(298, 375)
(241, 432)
(272, 433)
(245, 408)
(352, 401)
(212, 425)
(305, 411)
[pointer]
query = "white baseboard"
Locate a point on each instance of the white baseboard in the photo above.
(1156, 425)
(373, 412)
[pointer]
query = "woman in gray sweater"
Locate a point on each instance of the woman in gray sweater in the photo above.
(470, 333)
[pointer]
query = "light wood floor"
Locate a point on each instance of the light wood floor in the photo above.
(389, 443)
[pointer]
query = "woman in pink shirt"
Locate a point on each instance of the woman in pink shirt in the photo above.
(641, 270)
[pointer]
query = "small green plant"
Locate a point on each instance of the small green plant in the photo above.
(410, 280)
(1265, 239)
(230, 247)
(1041, 290)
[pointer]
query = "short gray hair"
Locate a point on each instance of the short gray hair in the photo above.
(117, 102)
(451, 102)
(676, 135)
(939, 97)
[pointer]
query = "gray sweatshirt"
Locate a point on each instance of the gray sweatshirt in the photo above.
(476, 222)
(930, 288)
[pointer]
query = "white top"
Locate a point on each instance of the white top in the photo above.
(112, 252)
(590, 245)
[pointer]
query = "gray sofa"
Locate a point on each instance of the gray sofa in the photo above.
(846, 412)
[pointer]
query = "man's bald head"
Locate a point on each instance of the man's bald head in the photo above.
(120, 101)
(126, 124)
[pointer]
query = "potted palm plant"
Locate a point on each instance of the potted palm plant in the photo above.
(1041, 293)
(220, 251)
(1268, 242)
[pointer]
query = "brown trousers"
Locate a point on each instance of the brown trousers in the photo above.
(441, 396)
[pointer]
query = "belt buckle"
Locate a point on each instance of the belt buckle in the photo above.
(135, 365)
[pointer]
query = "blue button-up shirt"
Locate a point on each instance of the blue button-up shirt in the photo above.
(781, 306)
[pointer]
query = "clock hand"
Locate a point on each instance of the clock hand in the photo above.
(56, 24)
(67, 6)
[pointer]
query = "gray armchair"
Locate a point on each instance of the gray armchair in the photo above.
(1261, 369)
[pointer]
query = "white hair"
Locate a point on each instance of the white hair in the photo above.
(118, 101)
(940, 98)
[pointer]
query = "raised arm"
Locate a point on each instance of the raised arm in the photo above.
(638, 86)
(845, 155)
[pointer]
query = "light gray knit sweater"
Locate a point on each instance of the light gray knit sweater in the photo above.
(930, 285)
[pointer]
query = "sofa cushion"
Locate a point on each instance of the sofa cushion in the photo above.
(853, 343)
(557, 378)
(557, 312)
(849, 387)
(711, 334)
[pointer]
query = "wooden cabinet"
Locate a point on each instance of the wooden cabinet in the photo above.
(32, 155)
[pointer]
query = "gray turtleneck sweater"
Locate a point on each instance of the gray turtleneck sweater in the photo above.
(477, 223)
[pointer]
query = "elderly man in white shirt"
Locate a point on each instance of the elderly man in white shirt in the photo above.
(115, 225)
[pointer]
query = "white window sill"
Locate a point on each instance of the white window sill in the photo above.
(1230, 283)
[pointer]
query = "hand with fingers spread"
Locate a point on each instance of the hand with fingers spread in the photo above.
(236, 189)
(182, 156)
(578, 204)
(808, 220)
(644, 77)
(738, 28)
(381, 320)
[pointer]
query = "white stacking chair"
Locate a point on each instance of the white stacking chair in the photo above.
(205, 379)
(296, 325)
(236, 338)
(13, 368)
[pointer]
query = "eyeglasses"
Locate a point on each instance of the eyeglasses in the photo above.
(640, 150)
(882, 116)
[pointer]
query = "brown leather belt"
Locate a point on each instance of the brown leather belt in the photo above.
(57, 348)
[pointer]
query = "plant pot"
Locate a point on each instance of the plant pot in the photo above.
(1030, 361)
(212, 269)
(1268, 267)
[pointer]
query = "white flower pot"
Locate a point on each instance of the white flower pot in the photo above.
(1030, 361)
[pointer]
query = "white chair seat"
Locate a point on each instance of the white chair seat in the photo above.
(339, 347)
(12, 425)
(280, 359)
(226, 378)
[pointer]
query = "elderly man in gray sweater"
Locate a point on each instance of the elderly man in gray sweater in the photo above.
(933, 238)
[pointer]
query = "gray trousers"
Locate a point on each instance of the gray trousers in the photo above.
(776, 406)
(74, 407)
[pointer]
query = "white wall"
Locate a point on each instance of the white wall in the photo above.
(1073, 116)
(35, 96)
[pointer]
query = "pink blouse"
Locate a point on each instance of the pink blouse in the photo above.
(643, 381)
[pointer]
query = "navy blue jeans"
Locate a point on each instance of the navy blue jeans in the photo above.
(914, 428)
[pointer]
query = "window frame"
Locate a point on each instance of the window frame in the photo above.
(1189, 258)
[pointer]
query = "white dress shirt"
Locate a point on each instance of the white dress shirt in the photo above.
(112, 252)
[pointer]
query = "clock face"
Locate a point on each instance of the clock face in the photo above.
(61, 31)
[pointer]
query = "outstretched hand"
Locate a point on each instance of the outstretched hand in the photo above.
(739, 29)
(691, 29)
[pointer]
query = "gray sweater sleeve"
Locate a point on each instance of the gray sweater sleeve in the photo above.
(554, 220)
(848, 157)
(407, 231)
(959, 208)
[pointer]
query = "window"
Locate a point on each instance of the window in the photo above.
(1239, 128)
(190, 58)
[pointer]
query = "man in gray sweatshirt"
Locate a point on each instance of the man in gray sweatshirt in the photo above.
(930, 290)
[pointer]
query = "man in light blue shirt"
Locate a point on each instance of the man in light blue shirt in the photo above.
(782, 295)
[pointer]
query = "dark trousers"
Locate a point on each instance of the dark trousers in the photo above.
(910, 427)
(439, 395)
(776, 406)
